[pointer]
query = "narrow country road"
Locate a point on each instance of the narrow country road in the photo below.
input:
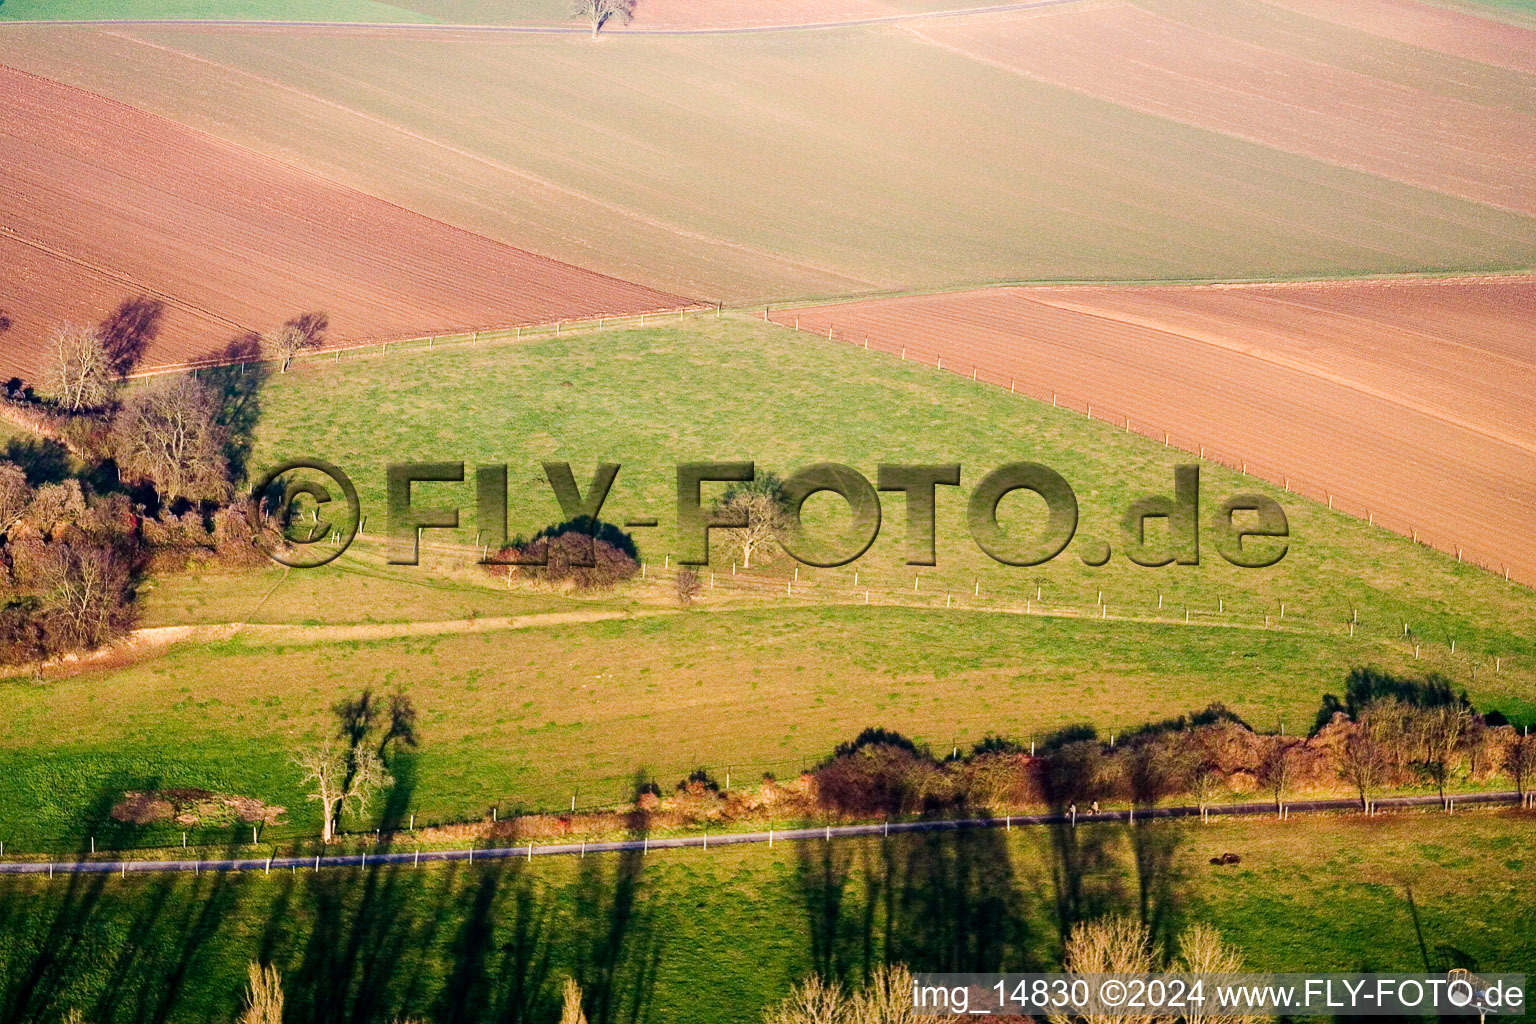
(389, 855)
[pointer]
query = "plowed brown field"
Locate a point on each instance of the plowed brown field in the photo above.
(101, 202)
(1408, 403)
(739, 13)
(1429, 26)
(1163, 66)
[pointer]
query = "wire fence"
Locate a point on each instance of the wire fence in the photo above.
(428, 342)
(823, 833)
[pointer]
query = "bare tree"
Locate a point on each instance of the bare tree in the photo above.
(340, 775)
(305, 331)
(1111, 945)
(1202, 952)
(1277, 765)
(1363, 761)
(264, 997)
(600, 12)
(761, 504)
(167, 434)
(1444, 728)
(15, 495)
(5, 321)
(77, 371)
(1519, 759)
(84, 587)
(570, 1003)
(55, 504)
(885, 999)
(687, 586)
(1204, 781)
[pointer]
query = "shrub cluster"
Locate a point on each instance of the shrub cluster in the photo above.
(1389, 732)
(580, 554)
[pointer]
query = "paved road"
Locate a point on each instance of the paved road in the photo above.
(827, 833)
(552, 30)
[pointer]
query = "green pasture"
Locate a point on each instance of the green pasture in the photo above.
(765, 673)
(714, 936)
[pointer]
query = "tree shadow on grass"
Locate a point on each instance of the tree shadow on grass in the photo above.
(237, 391)
(115, 948)
(447, 942)
(941, 901)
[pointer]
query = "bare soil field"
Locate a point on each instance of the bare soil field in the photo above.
(1403, 402)
(1163, 66)
(1435, 28)
(778, 166)
(101, 202)
(737, 13)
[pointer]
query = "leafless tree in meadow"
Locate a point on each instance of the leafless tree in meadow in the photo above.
(1277, 765)
(77, 371)
(305, 331)
(167, 433)
(340, 775)
(600, 12)
(263, 997)
(760, 503)
(687, 586)
(570, 1003)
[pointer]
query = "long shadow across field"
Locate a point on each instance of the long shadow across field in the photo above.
(454, 944)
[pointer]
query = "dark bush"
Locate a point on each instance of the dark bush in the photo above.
(1365, 686)
(582, 553)
(698, 782)
(875, 777)
(876, 736)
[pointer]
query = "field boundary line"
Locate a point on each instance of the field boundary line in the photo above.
(427, 342)
(825, 833)
(544, 29)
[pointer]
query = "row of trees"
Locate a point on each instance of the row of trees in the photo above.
(1393, 733)
(85, 365)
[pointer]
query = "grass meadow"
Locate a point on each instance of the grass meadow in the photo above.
(715, 935)
(749, 168)
(753, 678)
